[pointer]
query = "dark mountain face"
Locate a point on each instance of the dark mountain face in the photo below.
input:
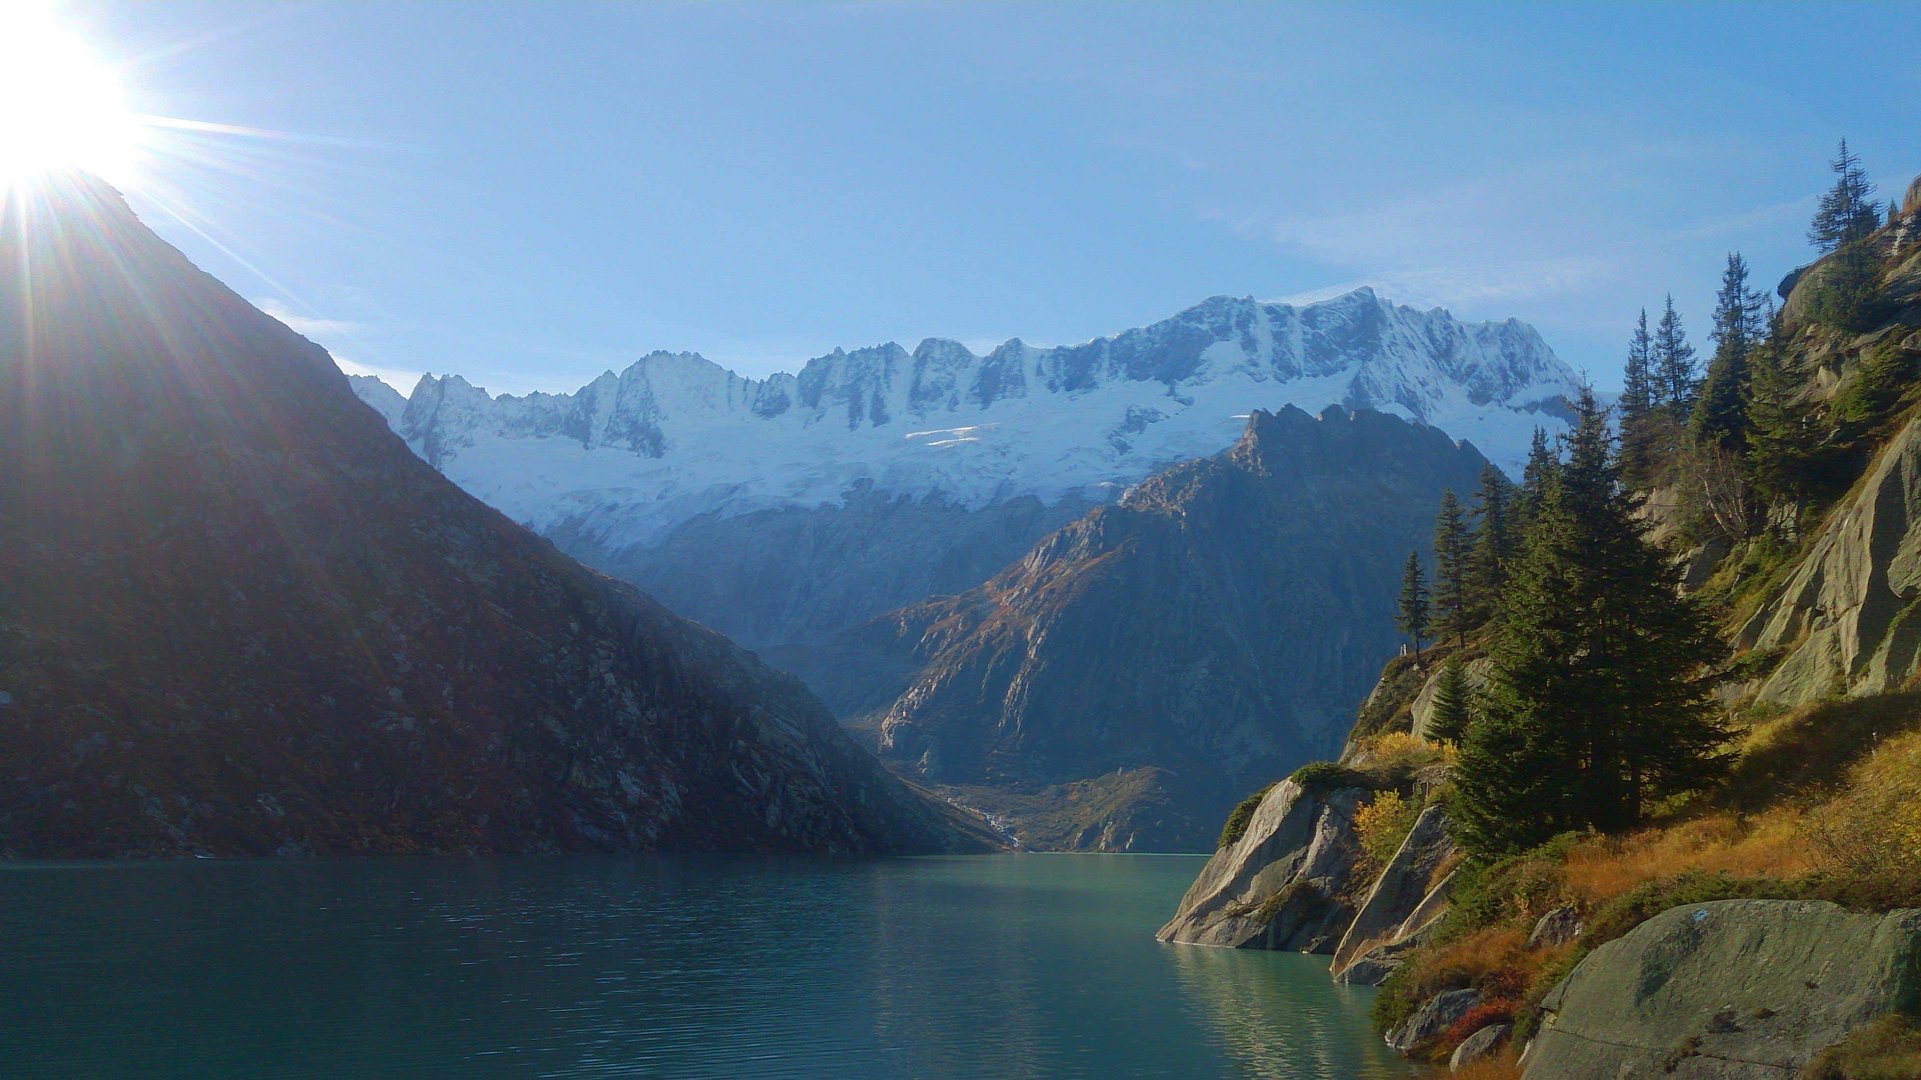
(237, 615)
(1215, 629)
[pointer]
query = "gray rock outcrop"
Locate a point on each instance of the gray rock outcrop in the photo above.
(1732, 990)
(1484, 1043)
(1280, 885)
(1557, 927)
(1401, 889)
(1912, 203)
(1849, 612)
(1435, 1016)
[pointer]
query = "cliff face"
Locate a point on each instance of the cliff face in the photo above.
(237, 615)
(1216, 624)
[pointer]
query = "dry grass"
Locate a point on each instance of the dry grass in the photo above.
(1396, 753)
(1495, 959)
(1873, 826)
(1502, 1066)
(1773, 844)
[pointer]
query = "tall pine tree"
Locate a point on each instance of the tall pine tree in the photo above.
(1492, 548)
(1846, 212)
(1593, 706)
(1535, 476)
(1673, 362)
(1639, 396)
(1448, 710)
(1784, 432)
(1739, 325)
(1451, 570)
(1413, 614)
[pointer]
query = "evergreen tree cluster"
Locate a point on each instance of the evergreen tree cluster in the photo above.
(1743, 426)
(1594, 709)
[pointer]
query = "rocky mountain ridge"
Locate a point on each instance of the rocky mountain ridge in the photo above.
(677, 470)
(1214, 626)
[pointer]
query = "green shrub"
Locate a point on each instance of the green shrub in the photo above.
(1514, 887)
(1844, 294)
(1237, 818)
(1321, 776)
(1875, 386)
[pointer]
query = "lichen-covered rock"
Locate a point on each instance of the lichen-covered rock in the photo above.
(1401, 888)
(1850, 613)
(1732, 990)
(1435, 1016)
(1484, 1043)
(1279, 885)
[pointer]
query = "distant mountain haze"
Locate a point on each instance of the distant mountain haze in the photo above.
(237, 616)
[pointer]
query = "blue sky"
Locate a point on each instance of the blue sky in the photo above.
(531, 194)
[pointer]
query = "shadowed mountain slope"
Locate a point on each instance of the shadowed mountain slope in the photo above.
(237, 615)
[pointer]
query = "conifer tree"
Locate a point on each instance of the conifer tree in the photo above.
(1673, 363)
(1783, 431)
(1451, 569)
(1593, 707)
(1847, 211)
(1413, 615)
(1448, 711)
(1535, 475)
(1638, 400)
(1738, 326)
(1493, 545)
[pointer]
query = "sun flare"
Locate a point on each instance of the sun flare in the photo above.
(61, 108)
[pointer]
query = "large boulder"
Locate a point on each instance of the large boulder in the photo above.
(1847, 613)
(1280, 885)
(1732, 990)
(1435, 1016)
(1403, 885)
(1912, 203)
(1484, 1043)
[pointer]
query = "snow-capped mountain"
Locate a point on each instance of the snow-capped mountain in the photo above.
(621, 466)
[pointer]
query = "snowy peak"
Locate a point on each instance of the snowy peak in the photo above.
(675, 435)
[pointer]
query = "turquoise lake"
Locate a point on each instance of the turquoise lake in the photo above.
(988, 966)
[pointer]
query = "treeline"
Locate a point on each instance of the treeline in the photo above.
(1593, 706)
(1741, 435)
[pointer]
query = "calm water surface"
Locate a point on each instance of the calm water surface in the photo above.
(990, 966)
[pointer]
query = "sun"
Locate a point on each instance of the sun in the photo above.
(61, 108)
